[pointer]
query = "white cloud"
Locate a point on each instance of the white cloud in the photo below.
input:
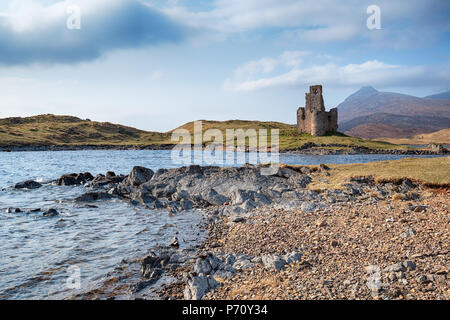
(268, 65)
(372, 72)
(321, 20)
(34, 32)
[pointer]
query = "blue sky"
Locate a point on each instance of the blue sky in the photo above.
(157, 64)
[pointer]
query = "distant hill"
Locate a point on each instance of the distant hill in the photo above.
(51, 130)
(54, 130)
(369, 113)
(441, 136)
(442, 95)
(389, 125)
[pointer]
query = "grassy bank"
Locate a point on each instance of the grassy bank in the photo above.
(51, 130)
(430, 172)
(441, 136)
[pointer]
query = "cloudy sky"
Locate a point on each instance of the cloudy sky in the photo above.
(155, 64)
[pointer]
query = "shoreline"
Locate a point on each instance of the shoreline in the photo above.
(307, 149)
(280, 237)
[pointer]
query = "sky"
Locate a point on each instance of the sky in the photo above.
(155, 65)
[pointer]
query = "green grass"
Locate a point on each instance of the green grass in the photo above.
(428, 171)
(289, 138)
(51, 130)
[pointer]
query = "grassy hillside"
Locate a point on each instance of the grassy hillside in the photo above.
(441, 136)
(50, 130)
(289, 137)
(66, 130)
(432, 172)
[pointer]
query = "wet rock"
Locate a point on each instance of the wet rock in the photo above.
(29, 184)
(93, 196)
(186, 204)
(273, 262)
(110, 174)
(74, 179)
(13, 210)
(151, 263)
(139, 175)
(159, 173)
(50, 213)
(162, 190)
(174, 242)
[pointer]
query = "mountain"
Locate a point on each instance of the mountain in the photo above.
(389, 125)
(442, 95)
(369, 113)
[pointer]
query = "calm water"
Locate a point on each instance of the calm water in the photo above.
(36, 251)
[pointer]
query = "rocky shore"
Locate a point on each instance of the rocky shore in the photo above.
(307, 149)
(272, 237)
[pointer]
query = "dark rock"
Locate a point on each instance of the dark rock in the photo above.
(214, 198)
(74, 179)
(29, 184)
(151, 263)
(110, 174)
(139, 175)
(51, 213)
(93, 196)
(174, 242)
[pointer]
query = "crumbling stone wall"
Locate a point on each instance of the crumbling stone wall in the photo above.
(313, 118)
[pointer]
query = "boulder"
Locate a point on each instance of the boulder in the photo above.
(212, 197)
(50, 213)
(74, 179)
(139, 175)
(197, 287)
(202, 267)
(93, 196)
(240, 196)
(29, 184)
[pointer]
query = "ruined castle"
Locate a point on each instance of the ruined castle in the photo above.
(313, 118)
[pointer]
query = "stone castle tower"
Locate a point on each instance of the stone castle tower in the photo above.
(313, 118)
